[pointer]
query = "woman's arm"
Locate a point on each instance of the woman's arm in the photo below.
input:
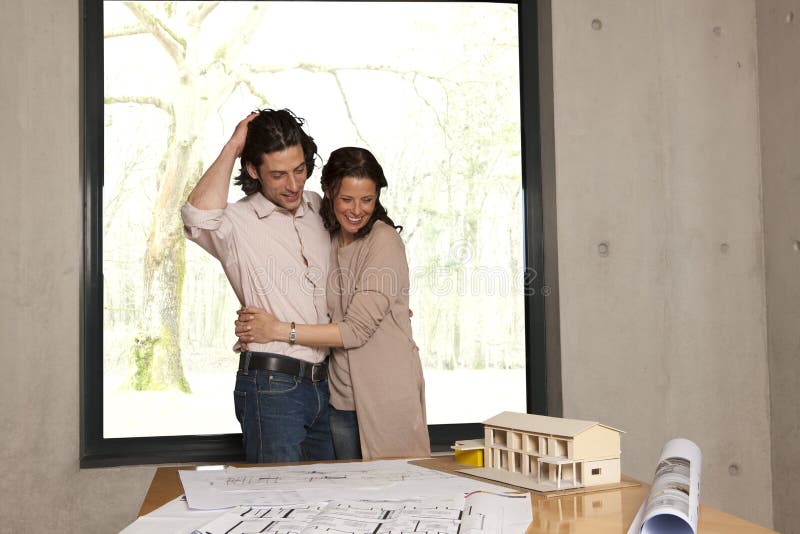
(380, 280)
(259, 326)
(382, 277)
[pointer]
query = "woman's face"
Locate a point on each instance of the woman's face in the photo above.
(353, 205)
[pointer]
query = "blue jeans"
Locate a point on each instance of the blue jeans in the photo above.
(284, 418)
(344, 430)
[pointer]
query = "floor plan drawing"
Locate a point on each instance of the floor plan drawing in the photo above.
(310, 484)
(479, 512)
(343, 517)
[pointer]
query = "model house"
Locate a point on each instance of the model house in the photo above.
(549, 453)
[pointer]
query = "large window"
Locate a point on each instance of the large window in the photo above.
(432, 88)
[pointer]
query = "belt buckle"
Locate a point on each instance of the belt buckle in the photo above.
(317, 372)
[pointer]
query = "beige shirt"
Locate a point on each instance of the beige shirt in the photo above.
(274, 259)
(378, 372)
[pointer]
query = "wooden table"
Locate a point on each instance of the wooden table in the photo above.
(603, 512)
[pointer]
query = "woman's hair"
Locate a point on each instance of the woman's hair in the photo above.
(352, 162)
(273, 131)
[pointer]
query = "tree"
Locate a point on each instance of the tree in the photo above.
(203, 82)
(157, 355)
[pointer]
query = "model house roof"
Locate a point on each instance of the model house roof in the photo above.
(541, 424)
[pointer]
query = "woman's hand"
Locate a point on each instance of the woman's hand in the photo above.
(255, 325)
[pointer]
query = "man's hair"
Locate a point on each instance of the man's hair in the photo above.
(352, 162)
(273, 131)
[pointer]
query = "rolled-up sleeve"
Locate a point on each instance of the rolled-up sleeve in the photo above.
(377, 285)
(208, 228)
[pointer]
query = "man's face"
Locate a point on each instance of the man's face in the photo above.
(282, 175)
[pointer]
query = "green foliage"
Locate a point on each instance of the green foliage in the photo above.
(168, 348)
(142, 360)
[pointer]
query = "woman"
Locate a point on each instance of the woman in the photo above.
(376, 383)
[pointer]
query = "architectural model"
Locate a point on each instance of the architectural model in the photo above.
(549, 453)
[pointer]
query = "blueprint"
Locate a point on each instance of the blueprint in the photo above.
(343, 517)
(310, 484)
(380, 497)
(478, 513)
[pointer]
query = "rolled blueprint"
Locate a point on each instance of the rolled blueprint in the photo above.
(672, 505)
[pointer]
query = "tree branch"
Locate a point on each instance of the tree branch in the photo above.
(247, 68)
(110, 208)
(233, 47)
(175, 47)
(313, 67)
(347, 107)
(255, 92)
(334, 71)
(433, 109)
(123, 31)
(203, 10)
(148, 100)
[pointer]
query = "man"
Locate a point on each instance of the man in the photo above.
(274, 250)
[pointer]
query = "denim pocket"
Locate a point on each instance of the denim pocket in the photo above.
(239, 402)
(281, 383)
(246, 376)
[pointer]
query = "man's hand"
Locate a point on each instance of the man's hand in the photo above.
(211, 191)
(239, 136)
(255, 325)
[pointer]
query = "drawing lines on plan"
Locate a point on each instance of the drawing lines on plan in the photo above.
(343, 517)
(269, 479)
(309, 484)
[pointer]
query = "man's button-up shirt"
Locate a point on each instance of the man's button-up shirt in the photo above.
(274, 259)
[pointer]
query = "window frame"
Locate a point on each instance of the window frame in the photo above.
(97, 451)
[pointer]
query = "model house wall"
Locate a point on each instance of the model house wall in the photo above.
(554, 453)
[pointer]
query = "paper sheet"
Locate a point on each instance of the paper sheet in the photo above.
(305, 484)
(478, 513)
(344, 517)
(175, 517)
(401, 498)
(500, 513)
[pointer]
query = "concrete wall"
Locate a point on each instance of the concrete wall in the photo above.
(657, 180)
(41, 487)
(660, 247)
(779, 98)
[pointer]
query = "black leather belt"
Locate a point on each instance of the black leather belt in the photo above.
(267, 361)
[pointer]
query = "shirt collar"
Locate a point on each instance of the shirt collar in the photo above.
(265, 207)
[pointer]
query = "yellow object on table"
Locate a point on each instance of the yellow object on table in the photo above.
(469, 452)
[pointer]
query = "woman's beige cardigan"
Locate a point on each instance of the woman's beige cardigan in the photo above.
(367, 296)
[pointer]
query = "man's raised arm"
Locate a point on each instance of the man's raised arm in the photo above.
(211, 192)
